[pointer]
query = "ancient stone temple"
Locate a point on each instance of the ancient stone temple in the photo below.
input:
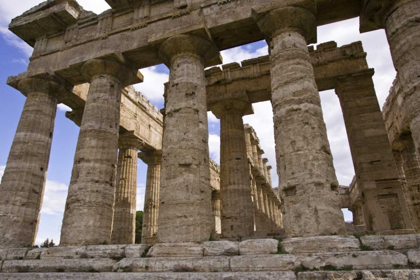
(202, 220)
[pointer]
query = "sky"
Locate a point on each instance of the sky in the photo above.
(14, 60)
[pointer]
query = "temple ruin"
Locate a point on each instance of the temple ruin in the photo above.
(202, 220)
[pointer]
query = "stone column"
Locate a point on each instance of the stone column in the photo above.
(269, 175)
(23, 182)
(401, 20)
(185, 200)
(260, 153)
(89, 207)
(377, 175)
(308, 183)
(235, 189)
(265, 169)
(151, 197)
(411, 170)
(124, 225)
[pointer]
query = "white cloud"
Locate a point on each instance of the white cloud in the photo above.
(63, 107)
(54, 198)
(242, 53)
(141, 190)
(20, 61)
(153, 86)
(214, 147)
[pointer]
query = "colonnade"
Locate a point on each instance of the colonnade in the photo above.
(307, 185)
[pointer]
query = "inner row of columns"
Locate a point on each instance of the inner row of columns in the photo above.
(308, 185)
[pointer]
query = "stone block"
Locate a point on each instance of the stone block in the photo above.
(264, 263)
(176, 250)
(258, 246)
(207, 264)
(414, 257)
(356, 260)
(34, 254)
(274, 275)
(17, 254)
(105, 251)
(135, 250)
(328, 275)
(321, 244)
(221, 248)
(70, 252)
(400, 274)
(3, 254)
(58, 265)
(391, 242)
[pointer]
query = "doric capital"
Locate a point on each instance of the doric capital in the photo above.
(188, 44)
(296, 16)
(124, 73)
(265, 160)
(48, 84)
(128, 140)
(269, 167)
(375, 13)
(151, 157)
(230, 106)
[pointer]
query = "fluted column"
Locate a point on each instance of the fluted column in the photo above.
(384, 204)
(308, 183)
(235, 189)
(151, 197)
(124, 225)
(401, 21)
(89, 207)
(269, 175)
(185, 200)
(23, 182)
(410, 164)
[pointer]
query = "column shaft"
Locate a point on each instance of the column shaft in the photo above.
(151, 202)
(185, 211)
(124, 226)
(308, 183)
(23, 182)
(235, 189)
(89, 208)
(402, 25)
(376, 171)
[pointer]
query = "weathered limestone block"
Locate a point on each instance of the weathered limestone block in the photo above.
(58, 265)
(323, 275)
(363, 275)
(358, 260)
(135, 251)
(275, 275)
(3, 254)
(207, 264)
(221, 248)
(35, 254)
(17, 254)
(321, 244)
(308, 185)
(124, 224)
(258, 246)
(402, 274)
(105, 251)
(394, 242)
(23, 181)
(89, 207)
(176, 250)
(235, 189)
(151, 197)
(264, 263)
(414, 257)
(185, 210)
(64, 252)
